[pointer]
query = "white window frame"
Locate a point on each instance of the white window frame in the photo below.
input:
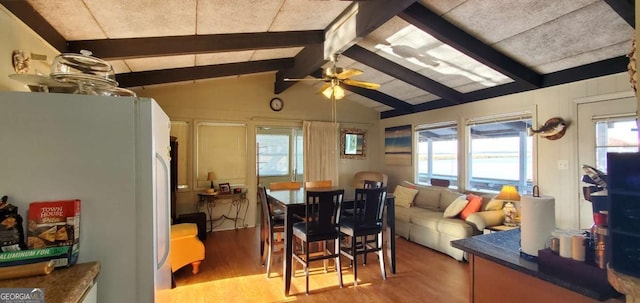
(429, 173)
(523, 185)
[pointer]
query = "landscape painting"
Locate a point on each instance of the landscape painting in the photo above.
(397, 145)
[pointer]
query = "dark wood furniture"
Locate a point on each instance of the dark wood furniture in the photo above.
(273, 224)
(365, 222)
(322, 216)
(292, 202)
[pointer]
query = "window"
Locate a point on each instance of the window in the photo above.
(437, 152)
(500, 152)
(180, 130)
(619, 135)
(279, 151)
(222, 149)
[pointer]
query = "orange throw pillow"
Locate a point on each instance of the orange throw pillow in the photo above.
(475, 202)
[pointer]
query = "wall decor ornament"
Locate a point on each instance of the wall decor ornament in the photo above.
(353, 143)
(397, 145)
(553, 129)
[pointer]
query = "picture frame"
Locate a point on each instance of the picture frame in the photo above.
(353, 143)
(398, 145)
(225, 188)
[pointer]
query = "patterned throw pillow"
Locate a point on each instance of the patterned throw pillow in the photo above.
(404, 196)
(455, 207)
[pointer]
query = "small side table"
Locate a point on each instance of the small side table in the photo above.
(497, 228)
(237, 200)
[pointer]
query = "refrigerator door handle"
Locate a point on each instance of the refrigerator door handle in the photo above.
(165, 167)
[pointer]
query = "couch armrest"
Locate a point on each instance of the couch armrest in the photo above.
(481, 220)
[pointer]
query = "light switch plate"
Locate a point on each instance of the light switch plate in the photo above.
(563, 164)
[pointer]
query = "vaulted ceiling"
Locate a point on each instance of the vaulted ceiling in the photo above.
(426, 54)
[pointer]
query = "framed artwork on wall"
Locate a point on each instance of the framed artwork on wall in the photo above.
(398, 145)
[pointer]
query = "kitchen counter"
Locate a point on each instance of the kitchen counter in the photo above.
(63, 285)
(503, 248)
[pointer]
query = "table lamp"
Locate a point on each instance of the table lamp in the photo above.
(210, 177)
(510, 195)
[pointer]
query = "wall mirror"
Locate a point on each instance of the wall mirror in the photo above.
(353, 143)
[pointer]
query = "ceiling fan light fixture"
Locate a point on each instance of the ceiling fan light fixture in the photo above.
(337, 91)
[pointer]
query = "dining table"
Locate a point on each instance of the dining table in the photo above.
(292, 202)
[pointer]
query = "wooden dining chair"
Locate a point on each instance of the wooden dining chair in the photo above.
(372, 184)
(318, 184)
(321, 225)
(274, 224)
(365, 222)
(284, 185)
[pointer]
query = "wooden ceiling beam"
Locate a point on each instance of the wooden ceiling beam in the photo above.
(200, 72)
(111, 49)
(441, 29)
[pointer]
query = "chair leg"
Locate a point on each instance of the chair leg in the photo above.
(355, 260)
(381, 256)
(364, 246)
(306, 268)
(195, 267)
(268, 262)
(337, 262)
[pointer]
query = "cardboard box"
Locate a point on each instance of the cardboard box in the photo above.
(54, 224)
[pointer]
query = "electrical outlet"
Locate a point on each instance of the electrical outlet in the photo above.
(563, 164)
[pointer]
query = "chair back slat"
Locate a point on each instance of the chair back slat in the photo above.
(318, 184)
(369, 203)
(284, 185)
(322, 208)
(372, 184)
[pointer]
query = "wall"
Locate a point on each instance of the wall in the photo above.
(245, 99)
(15, 35)
(557, 101)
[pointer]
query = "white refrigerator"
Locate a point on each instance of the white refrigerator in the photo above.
(111, 153)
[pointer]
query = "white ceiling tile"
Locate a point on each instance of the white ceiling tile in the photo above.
(236, 16)
(144, 18)
(145, 64)
(223, 58)
(276, 53)
(422, 99)
(401, 90)
(588, 29)
(119, 66)
(81, 26)
(307, 15)
(508, 19)
(439, 6)
(580, 59)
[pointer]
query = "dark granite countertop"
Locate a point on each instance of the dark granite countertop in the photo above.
(504, 248)
(62, 285)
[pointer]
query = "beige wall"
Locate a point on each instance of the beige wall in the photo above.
(15, 35)
(557, 101)
(245, 100)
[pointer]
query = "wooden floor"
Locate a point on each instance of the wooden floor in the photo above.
(232, 272)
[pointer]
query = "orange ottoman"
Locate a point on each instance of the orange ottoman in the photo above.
(186, 248)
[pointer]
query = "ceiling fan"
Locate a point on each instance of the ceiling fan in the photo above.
(334, 76)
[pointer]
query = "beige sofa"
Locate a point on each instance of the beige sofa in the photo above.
(424, 223)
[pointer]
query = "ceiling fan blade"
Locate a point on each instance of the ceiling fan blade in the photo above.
(348, 73)
(304, 79)
(367, 85)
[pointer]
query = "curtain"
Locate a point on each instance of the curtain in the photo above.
(320, 151)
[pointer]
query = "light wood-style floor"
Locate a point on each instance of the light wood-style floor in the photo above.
(232, 272)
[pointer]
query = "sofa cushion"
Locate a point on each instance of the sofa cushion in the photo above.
(404, 196)
(494, 204)
(447, 197)
(454, 227)
(473, 206)
(426, 218)
(427, 197)
(455, 207)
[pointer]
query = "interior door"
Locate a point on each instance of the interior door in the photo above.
(588, 115)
